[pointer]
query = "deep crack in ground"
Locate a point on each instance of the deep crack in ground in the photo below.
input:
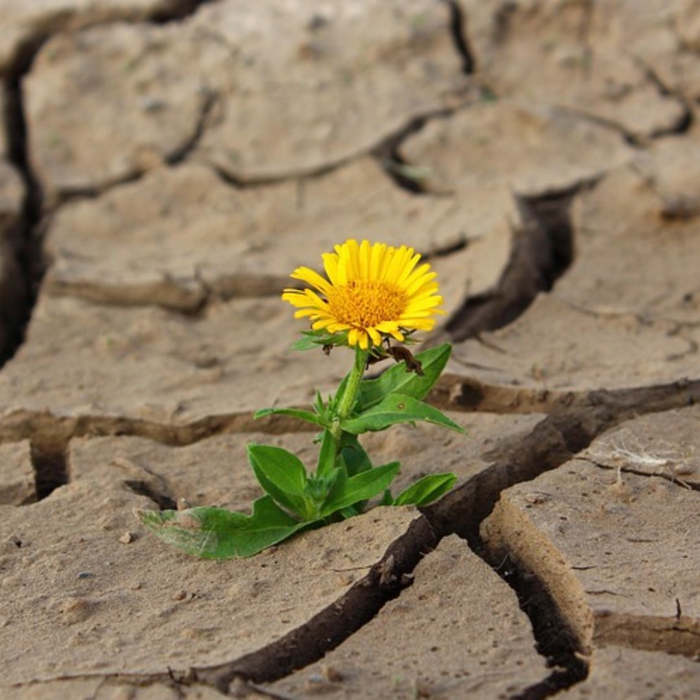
(539, 257)
(27, 242)
(554, 441)
(541, 252)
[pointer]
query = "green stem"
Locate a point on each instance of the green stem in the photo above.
(348, 399)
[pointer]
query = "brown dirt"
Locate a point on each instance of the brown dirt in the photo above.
(169, 162)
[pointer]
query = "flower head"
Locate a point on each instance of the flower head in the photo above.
(372, 291)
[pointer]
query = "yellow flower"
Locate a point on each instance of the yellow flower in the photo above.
(372, 290)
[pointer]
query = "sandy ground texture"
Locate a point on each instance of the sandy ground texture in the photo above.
(164, 166)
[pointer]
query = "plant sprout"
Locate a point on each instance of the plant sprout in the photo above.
(374, 297)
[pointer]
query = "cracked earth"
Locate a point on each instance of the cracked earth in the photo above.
(164, 165)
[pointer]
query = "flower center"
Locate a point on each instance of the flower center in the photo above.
(365, 303)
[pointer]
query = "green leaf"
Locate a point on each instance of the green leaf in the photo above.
(397, 408)
(319, 406)
(397, 380)
(282, 476)
(327, 454)
(355, 458)
(319, 338)
(348, 491)
(350, 511)
(304, 343)
(309, 416)
(426, 490)
(387, 498)
(216, 533)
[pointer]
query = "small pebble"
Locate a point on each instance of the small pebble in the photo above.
(126, 538)
(85, 574)
(180, 595)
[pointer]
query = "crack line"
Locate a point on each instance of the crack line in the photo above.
(28, 246)
(554, 440)
(541, 252)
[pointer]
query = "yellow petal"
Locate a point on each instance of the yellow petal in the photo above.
(306, 274)
(403, 255)
(418, 273)
(418, 283)
(386, 262)
(342, 271)
(375, 260)
(335, 327)
(330, 265)
(352, 336)
(364, 342)
(405, 318)
(315, 299)
(423, 324)
(423, 303)
(296, 299)
(407, 269)
(313, 313)
(364, 259)
(352, 250)
(348, 257)
(387, 326)
(428, 289)
(375, 335)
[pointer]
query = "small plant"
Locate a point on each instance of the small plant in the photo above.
(375, 297)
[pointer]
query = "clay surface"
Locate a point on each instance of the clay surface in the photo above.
(274, 83)
(640, 304)
(24, 23)
(223, 242)
(622, 672)
(593, 61)
(453, 593)
(17, 483)
(168, 163)
(163, 367)
(215, 471)
(61, 585)
(542, 147)
(665, 444)
(580, 527)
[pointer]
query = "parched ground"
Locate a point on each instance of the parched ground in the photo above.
(164, 164)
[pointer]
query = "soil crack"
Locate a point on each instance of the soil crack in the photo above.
(680, 125)
(163, 500)
(50, 465)
(28, 239)
(458, 28)
(27, 242)
(452, 392)
(323, 632)
(554, 441)
(553, 637)
(178, 155)
(388, 154)
(542, 251)
(685, 118)
(182, 152)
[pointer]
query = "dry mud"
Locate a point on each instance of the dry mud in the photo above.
(164, 165)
